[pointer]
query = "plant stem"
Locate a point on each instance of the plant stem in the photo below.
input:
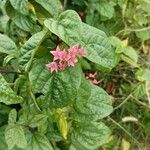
(117, 124)
(147, 92)
(33, 97)
(65, 4)
(123, 102)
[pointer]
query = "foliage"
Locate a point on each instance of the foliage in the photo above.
(46, 110)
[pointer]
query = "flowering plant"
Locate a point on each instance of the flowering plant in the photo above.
(51, 104)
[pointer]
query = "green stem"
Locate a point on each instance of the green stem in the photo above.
(33, 97)
(117, 124)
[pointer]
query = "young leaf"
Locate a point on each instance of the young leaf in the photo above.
(61, 122)
(106, 9)
(7, 45)
(7, 95)
(38, 141)
(89, 136)
(29, 49)
(12, 116)
(14, 135)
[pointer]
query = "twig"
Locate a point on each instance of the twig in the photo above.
(139, 102)
(116, 123)
(147, 92)
(33, 97)
(123, 102)
(133, 30)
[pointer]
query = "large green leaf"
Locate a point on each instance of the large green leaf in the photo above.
(25, 23)
(29, 49)
(59, 88)
(7, 95)
(14, 135)
(89, 136)
(71, 30)
(67, 26)
(20, 5)
(7, 45)
(54, 7)
(3, 145)
(94, 107)
(98, 47)
(38, 141)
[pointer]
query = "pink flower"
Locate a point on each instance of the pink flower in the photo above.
(56, 53)
(63, 59)
(91, 75)
(92, 78)
(63, 55)
(72, 60)
(52, 66)
(74, 49)
(62, 65)
(96, 81)
(81, 52)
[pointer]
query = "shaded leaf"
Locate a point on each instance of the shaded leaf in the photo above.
(54, 7)
(89, 136)
(38, 141)
(59, 88)
(6, 44)
(7, 95)
(29, 49)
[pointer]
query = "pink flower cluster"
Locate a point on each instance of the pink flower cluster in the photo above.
(63, 58)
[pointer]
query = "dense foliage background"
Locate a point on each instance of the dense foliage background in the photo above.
(44, 111)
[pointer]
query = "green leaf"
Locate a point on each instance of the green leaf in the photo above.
(3, 145)
(29, 49)
(98, 47)
(59, 88)
(14, 135)
(7, 45)
(145, 5)
(7, 95)
(54, 7)
(89, 136)
(94, 107)
(12, 116)
(67, 26)
(20, 5)
(38, 141)
(36, 120)
(106, 9)
(143, 75)
(144, 35)
(26, 23)
(131, 53)
(71, 30)
(129, 61)
(4, 20)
